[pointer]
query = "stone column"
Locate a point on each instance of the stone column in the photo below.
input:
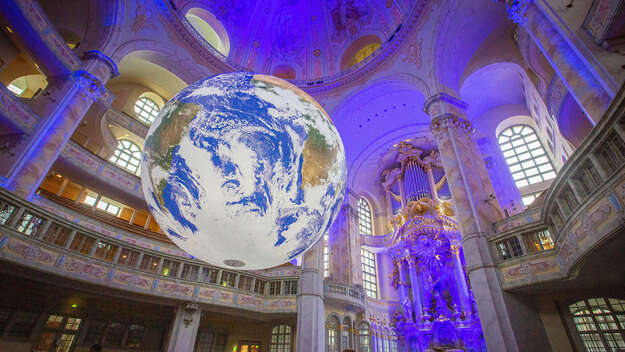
(579, 78)
(184, 329)
(465, 172)
(73, 96)
(310, 308)
(417, 299)
(461, 284)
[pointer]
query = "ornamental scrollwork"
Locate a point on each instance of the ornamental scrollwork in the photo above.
(517, 10)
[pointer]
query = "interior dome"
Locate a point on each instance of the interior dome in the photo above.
(305, 40)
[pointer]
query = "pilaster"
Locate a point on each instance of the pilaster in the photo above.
(184, 329)
(310, 308)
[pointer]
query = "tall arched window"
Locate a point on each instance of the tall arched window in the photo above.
(332, 334)
(281, 338)
(600, 323)
(369, 278)
(146, 110)
(127, 156)
(364, 217)
(525, 155)
(364, 337)
(346, 338)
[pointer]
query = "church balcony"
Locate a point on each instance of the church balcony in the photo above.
(582, 209)
(39, 35)
(126, 121)
(45, 241)
(334, 292)
(80, 164)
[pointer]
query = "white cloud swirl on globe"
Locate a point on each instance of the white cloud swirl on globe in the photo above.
(244, 169)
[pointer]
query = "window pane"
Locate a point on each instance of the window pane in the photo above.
(524, 155)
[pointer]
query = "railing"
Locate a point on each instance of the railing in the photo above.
(128, 122)
(36, 238)
(353, 294)
(376, 241)
(102, 170)
(582, 208)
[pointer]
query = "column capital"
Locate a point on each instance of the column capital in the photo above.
(517, 10)
(444, 104)
(95, 58)
(442, 122)
(90, 85)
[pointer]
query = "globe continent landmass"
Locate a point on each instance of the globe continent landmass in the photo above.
(244, 170)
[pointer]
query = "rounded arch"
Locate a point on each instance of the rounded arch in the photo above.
(28, 86)
(333, 324)
(210, 28)
(179, 63)
(359, 50)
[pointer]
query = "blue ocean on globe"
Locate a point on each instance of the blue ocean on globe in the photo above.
(243, 170)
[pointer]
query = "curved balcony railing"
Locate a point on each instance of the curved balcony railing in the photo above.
(354, 295)
(35, 238)
(128, 122)
(583, 207)
(101, 169)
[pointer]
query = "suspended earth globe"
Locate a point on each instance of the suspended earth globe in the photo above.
(243, 170)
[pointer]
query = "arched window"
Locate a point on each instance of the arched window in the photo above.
(359, 50)
(210, 28)
(127, 156)
(332, 334)
(346, 334)
(364, 337)
(369, 277)
(393, 338)
(146, 110)
(525, 155)
(281, 338)
(364, 217)
(600, 323)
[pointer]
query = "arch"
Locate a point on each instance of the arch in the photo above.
(127, 155)
(332, 333)
(525, 155)
(599, 322)
(364, 336)
(210, 28)
(359, 50)
(365, 216)
(28, 86)
(178, 63)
